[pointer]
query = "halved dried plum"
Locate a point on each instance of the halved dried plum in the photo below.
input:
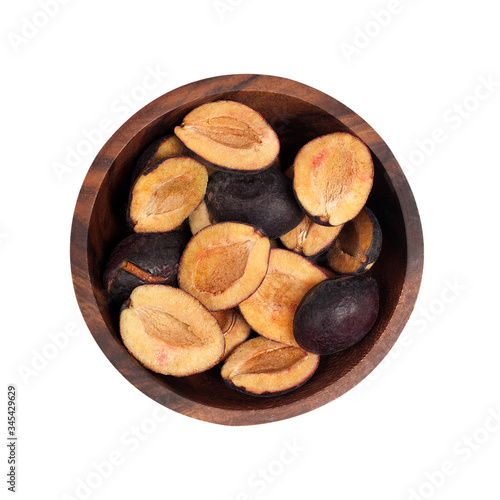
(228, 134)
(224, 264)
(262, 367)
(200, 218)
(144, 258)
(264, 200)
(161, 149)
(170, 332)
(310, 239)
(336, 314)
(166, 193)
(332, 178)
(234, 327)
(358, 245)
(270, 310)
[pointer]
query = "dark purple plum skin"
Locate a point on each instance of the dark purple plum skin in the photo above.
(148, 154)
(145, 158)
(336, 314)
(374, 251)
(263, 200)
(158, 254)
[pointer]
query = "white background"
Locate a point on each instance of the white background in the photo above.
(433, 400)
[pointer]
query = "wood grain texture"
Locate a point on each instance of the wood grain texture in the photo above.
(298, 113)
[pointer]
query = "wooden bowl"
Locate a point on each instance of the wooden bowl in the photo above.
(298, 113)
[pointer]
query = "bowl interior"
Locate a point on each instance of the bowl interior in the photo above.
(296, 122)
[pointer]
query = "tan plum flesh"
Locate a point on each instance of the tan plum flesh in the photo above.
(166, 194)
(332, 178)
(230, 135)
(270, 310)
(223, 264)
(263, 367)
(170, 332)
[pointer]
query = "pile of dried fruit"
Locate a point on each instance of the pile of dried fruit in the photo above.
(192, 296)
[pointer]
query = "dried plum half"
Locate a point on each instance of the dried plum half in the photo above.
(143, 258)
(161, 149)
(166, 193)
(200, 218)
(224, 264)
(270, 310)
(310, 239)
(358, 245)
(229, 135)
(332, 178)
(170, 332)
(262, 367)
(234, 327)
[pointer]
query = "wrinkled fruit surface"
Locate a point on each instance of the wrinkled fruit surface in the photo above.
(161, 149)
(234, 327)
(166, 194)
(170, 332)
(262, 367)
(332, 178)
(358, 245)
(310, 239)
(264, 200)
(224, 264)
(144, 258)
(220, 174)
(336, 314)
(228, 134)
(200, 218)
(270, 310)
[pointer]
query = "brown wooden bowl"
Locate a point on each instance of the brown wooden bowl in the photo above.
(298, 113)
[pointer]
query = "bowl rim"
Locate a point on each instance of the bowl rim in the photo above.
(85, 294)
